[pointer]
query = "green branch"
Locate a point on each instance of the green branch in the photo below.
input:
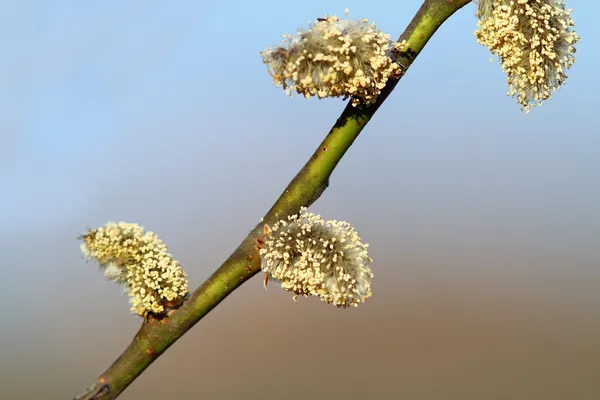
(156, 335)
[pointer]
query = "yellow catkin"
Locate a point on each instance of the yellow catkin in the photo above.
(140, 262)
(311, 256)
(535, 42)
(334, 58)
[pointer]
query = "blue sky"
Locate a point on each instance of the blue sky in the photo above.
(77, 79)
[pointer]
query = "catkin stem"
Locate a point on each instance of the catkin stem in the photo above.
(155, 336)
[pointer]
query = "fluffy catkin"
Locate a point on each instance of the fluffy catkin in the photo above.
(140, 262)
(535, 41)
(334, 58)
(311, 256)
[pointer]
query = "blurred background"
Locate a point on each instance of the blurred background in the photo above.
(483, 221)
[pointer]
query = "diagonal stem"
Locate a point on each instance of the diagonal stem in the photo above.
(155, 336)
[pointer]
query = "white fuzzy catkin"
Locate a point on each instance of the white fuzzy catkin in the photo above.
(334, 58)
(311, 256)
(535, 41)
(139, 261)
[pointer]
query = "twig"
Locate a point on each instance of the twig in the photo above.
(155, 336)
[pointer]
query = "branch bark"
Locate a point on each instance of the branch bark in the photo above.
(155, 336)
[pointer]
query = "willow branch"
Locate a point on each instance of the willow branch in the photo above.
(156, 335)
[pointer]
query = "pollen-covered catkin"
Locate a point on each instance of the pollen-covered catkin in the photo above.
(311, 256)
(334, 58)
(140, 262)
(535, 41)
